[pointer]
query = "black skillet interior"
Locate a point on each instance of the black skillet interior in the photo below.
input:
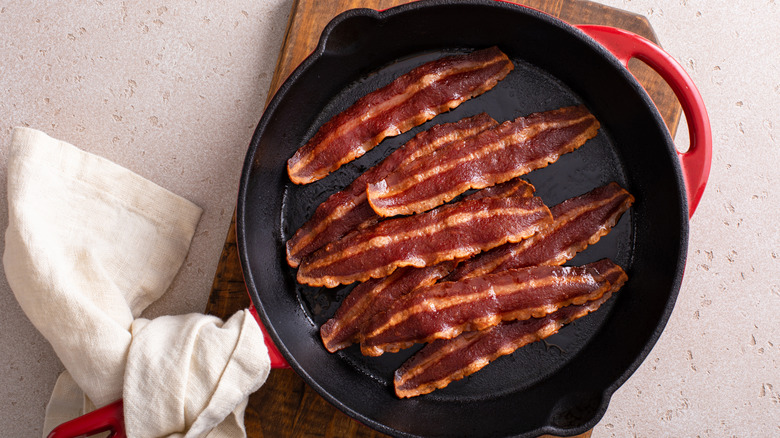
(561, 386)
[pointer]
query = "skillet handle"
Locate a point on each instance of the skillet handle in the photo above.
(277, 360)
(696, 162)
(109, 417)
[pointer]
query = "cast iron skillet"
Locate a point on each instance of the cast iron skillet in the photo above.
(561, 387)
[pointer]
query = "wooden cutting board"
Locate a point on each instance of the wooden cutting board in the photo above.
(285, 406)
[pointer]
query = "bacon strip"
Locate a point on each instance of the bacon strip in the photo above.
(348, 209)
(369, 298)
(376, 295)
(450, 232)
(512, 149)
(513, 187)
(578, 222)
(447, 309)
(446, 360)
(408, 101)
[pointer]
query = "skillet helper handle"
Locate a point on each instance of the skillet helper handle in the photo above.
(277, 360)
(696, 162)
(109, 417)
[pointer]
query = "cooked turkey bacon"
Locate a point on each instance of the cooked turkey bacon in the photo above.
(578, 222)
(509, 150)
(454, 231)
(408, 101)
(445, 360)
(376, 295)
(447, 309)
(348, 209)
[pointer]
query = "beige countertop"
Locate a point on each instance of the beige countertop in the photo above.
(173, 89)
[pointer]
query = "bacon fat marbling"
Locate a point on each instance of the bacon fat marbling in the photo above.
(376, 295)
(447, 309)
(348, 209)
(493, 156)
(451, 232)
(372, 297)
(408, 101)
(445, 360)
(578, 222)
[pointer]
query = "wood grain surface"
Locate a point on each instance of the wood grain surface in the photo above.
(285, 406)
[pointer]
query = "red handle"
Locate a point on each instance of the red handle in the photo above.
(110, 417)
(697, 160)
(277, 360)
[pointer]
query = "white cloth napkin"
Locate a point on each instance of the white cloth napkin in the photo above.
(89, 246)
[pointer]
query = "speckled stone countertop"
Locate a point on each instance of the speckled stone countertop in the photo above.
(173, 89)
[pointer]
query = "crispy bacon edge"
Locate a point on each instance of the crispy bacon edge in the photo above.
(408, 101)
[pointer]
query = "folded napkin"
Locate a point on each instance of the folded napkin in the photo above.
(89, 246)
